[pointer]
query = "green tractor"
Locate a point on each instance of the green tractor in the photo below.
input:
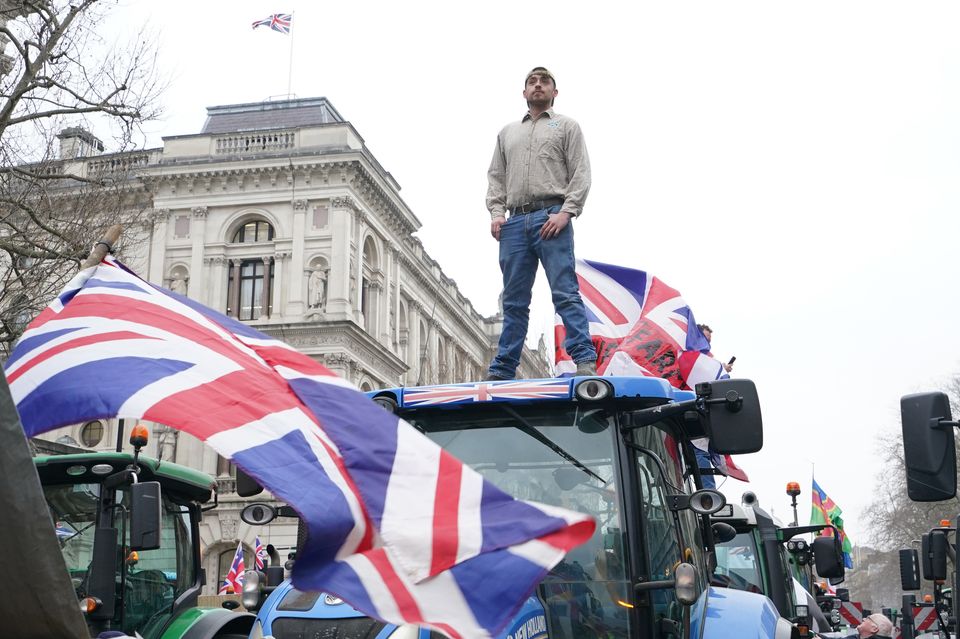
(125, 527)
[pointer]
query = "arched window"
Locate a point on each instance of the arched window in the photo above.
(91, 433)
(253, 231)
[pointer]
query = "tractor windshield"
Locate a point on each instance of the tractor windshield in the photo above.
(151, 579)
(561, 456)
(738, 564)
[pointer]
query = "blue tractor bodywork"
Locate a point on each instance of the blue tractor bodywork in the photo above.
(616, 448)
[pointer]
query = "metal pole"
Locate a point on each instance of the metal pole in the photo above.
(906, 617)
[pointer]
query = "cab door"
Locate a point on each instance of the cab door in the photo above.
(662, 538)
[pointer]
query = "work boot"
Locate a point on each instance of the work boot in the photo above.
(586, 369)
(495, 378)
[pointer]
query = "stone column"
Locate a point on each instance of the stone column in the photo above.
(433, 335)
(278, 290)
(215, 277)
(395, 252)
(234, 292)
(295, 294)
(360, 225)
(415, 346)
(338, 306)
(158, 245)
(197, 236)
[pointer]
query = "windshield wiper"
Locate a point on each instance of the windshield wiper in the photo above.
(526, 427)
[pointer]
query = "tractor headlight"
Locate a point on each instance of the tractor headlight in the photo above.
(592, 390)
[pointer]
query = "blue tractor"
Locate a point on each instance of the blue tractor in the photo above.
(618, 449)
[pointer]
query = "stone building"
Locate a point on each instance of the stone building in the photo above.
(277, 214)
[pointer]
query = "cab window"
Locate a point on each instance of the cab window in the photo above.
(738, 564)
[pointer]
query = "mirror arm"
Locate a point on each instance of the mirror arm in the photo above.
(786, 534)
(645, 586)
(647, 416)
(940, 423)
(216, 500)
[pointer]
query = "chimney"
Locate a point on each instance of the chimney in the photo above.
(76, 142)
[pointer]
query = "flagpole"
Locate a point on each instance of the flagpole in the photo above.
(290, 63)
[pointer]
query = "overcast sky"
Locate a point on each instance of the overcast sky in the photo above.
(790, 168)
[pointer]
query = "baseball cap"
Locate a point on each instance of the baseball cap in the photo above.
(541, 71)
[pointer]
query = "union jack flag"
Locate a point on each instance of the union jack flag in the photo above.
(233, 582)
(259, 553)
(486, 391)
(397, 527)
(278, 22)
(641, 326)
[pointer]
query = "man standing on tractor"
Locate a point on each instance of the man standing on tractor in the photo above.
(539, 177)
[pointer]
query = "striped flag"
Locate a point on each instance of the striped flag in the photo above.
(825, 511)
(641, 326)
(233, 582)
(396, 526)
(278, 22)
(259, 553)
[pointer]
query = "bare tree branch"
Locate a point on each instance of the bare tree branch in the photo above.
(63, 84)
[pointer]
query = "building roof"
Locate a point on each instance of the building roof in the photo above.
(280, 114)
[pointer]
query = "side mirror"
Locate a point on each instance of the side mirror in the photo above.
(928, 447)
(934, 547)
(258, 514)
(828, 556)
(247, 486)
(568, 478)
(734, 423)
(145, 515)
(909, 569)
(723, 532)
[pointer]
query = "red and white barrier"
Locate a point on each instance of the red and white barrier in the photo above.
(924, 620)
(851, 612)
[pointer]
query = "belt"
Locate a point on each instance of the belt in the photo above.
(537, 205)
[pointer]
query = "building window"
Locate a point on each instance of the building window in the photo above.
(91, 433)
(256, 231)
(252, 301)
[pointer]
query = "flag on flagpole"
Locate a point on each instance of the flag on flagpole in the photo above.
(825, 511)
(281, 22)
(396, 526)
(641, 326)
(259, 553)
(233, 582)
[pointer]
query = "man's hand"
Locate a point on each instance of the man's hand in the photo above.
(495, 225)
(728, 367)
(554, 224)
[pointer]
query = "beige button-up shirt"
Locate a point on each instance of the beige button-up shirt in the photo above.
(539, 159)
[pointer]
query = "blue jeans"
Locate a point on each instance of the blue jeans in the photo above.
(521, 250)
